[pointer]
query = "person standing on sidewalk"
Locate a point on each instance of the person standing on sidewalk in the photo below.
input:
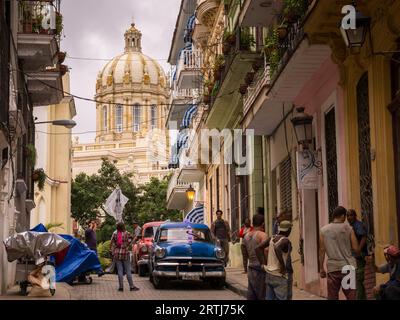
(255, 274)
(337, 240)
(222, 232)
(361, 234)
(278, 266)
(90, 236)
(246, 228)
(137, 231)
(120, 242)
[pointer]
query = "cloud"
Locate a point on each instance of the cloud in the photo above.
(95, 29)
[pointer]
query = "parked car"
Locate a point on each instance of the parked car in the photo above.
(186, 251)
(140, 251)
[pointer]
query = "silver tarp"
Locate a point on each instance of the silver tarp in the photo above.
(36, 245)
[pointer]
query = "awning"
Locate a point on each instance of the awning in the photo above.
(182, 139)
(189, 115)
(196, 215)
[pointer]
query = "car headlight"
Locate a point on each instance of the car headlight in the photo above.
(219, 253)
(144, 249)
(160, 252)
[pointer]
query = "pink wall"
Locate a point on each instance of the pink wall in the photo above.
(314, 96)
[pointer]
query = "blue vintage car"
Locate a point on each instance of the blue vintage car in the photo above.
(186, 251)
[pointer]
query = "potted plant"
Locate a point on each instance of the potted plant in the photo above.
(59, 23)
(243, 89)
(229, 38)
(39, 176)
(257, 64)
(63, 69)
(249, 78)
(206, 98)
(31, 154)
(282, 31)
(208, 86)
(274, 61)
(61, 57)
(293, 10)
(246, 39)
(271, 43)
(214, 91)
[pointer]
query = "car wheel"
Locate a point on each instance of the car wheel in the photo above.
(141, 270)
(158, 283)
(218, 283)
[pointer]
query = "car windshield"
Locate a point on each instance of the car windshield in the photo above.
(150, 231)
(185, 234)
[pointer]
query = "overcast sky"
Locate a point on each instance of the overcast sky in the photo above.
(95, 29)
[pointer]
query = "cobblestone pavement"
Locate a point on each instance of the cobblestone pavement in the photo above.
(105, 288)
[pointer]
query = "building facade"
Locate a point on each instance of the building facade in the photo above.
(54, 156)
(131, 108)
(262, 67)
(30, 76)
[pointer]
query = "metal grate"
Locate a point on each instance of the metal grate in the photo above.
(331, 161)
(285, 185)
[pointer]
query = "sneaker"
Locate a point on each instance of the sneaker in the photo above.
(134, 289)
(121, 289)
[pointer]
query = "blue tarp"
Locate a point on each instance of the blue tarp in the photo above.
(78, 260)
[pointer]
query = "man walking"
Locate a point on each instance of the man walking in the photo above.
(220, 230)
(337, 240)
(361, 234)
(255, 273)
(278, 266)
(246, 228)
(90, 236)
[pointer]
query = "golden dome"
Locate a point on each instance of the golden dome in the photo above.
(131, 67)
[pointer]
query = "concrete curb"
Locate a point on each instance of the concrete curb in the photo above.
(236, 289)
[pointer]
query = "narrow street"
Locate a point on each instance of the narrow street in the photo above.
(105, 288)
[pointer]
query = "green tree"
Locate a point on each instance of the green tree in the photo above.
(146, 203)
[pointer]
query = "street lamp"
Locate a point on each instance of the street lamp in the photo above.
(190, 192)
(69, 124)
(302, 123)
(356, 37)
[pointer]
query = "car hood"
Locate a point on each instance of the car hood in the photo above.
(186, 249)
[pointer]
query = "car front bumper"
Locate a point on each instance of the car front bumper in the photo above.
(178, 273)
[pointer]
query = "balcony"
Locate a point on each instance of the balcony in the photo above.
(255, 13)
(180, 99)
(206, 14)
(189, 74)
(191, 173)
(176, 193)
(238, 61)
(45, 88)
(278, 84)
(38, 47)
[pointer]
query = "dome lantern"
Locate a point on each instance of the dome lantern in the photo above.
(133, 40)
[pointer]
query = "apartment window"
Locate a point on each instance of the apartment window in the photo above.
(217, 188)
(153, 116)
(211, 200)
(105, 118)
(136, 118)
(118, 118)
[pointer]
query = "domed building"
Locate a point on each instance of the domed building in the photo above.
(131, 107)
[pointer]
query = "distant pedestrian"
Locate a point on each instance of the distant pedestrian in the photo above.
(278, 264)
(337, 240)
(120, 242)
(137, 231)
(90, 235)
(361, 233)
(222, 232)
(245, 229)
(255, 274)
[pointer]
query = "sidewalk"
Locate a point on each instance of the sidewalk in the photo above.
(63, 292)
(236, 281)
